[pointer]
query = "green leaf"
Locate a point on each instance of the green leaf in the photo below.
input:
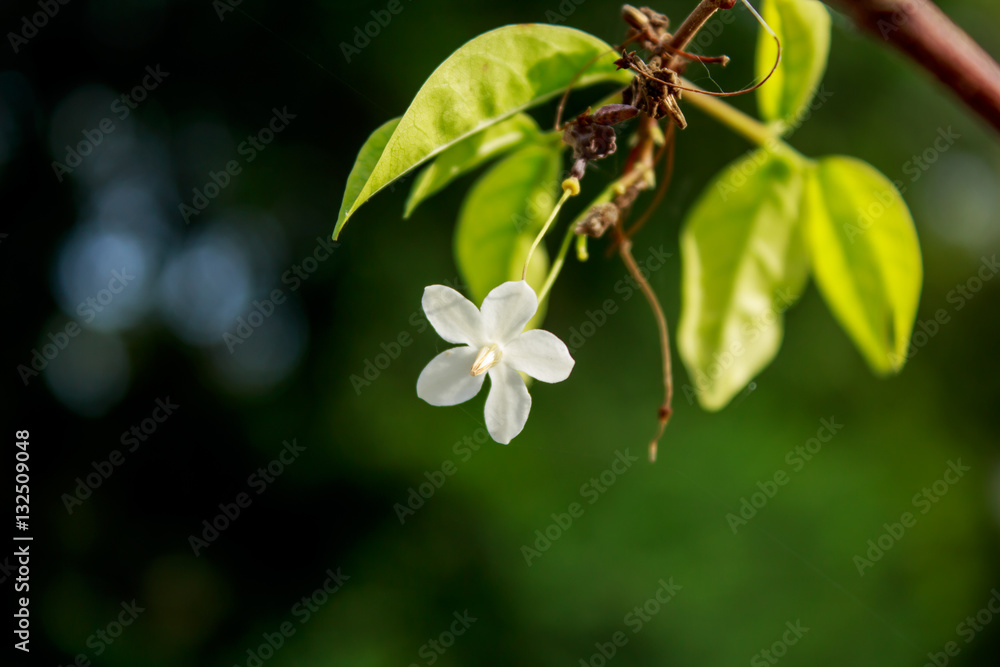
(501, 216)
(363, 166)
(468, 154)
(487, 80)
(865, 257)
(804, 29)
(743, 264)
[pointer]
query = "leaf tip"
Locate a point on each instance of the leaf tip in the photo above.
(339, 227)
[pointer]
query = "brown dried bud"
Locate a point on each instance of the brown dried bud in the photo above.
(629, 61)
(598, 219)
(646, 25)
(655, 91)
(589, 140)
(658, 21)
(627, 198)
(635, 18)
(612, 114)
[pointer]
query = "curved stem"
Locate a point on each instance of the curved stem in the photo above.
(557, 264)
(668, 146)
(541, 234)
(608, 194)
(663, 415)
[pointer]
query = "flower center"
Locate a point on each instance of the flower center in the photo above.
(488, 357)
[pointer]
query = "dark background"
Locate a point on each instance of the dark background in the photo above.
(161, 337)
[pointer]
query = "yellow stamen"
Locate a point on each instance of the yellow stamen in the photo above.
(488, 357)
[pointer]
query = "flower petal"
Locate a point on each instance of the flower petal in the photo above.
(446, 380)
(455, 318)
(508, 404)
(507, 309)
(540, 354)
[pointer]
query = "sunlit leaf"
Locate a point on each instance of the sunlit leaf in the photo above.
(865, 257)
(744, 263)
(501, 216)
(367, 158)
(468, 154)
(487, 80)
(804, 29)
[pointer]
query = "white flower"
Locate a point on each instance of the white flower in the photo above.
(494, 343)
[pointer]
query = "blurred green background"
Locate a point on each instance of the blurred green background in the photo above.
(367, 448)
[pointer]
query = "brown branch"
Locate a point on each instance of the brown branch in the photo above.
(922, 31)
(692, 24)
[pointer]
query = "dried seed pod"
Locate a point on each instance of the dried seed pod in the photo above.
(598, 219)
(655, 89)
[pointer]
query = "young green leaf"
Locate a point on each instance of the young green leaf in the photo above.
(501, 216)
(865, 257)
(743, 264)
(367, 157)
(468, 154)
(804, 29)
(490, 78)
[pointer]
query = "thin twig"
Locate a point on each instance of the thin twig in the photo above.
(663, 414)
(668, 174)
(692, 24)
